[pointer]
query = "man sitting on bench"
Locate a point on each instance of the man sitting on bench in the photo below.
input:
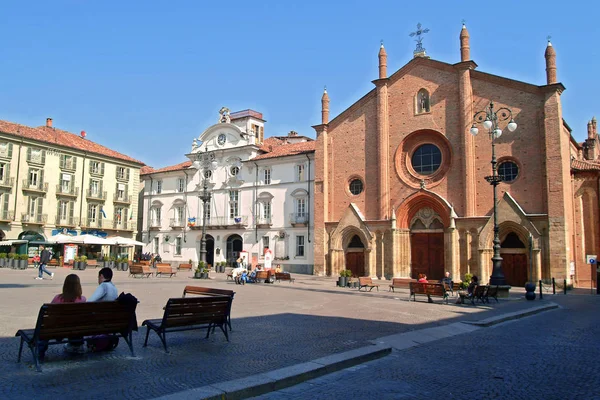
(468, 294)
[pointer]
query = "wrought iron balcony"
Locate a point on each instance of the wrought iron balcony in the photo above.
(299, 219)
(122, 199)
(91, 194)
(66, 221)
(38, 186)
(6, 216)
(36, 219)
(67, 190)
(122, 225)
(263, 221)
(155, 223)
(176, 223)
(221, 222)
(7, 182)
(92, 223)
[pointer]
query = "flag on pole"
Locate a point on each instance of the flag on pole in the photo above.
(103, 213)
(131, 216)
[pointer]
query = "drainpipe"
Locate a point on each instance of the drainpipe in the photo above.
(186, 206)
(150, 210)
(308, 202)
(255, 208)
(17, 183)
(82, 190)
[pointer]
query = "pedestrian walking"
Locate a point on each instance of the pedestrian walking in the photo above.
(44, 259)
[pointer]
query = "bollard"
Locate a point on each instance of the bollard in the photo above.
(541, 295)
(565, 286)
(553, 286)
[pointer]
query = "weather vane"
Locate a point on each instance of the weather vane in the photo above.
(419, 51)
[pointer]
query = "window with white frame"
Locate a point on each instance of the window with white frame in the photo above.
(267, 210)
(156, 244)
(94, 187)
(179, 211)
(65, 182)
(92, 212)
(34, 175)
(234, 196)
(180, 185)
(158, 187)
(63, 210)
(118, 214)
(156, 215)
(96, 167)
(120, 191)
(299, 172)
(300, 246)
(3, 169)
(267, 176)
(177, 246)
(33, 205)
(301, 206)
(265, 242)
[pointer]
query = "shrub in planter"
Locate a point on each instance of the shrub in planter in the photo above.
(76, 262)
(124, 263)
(24, 261)
(343, 279)
(199, 272)
(2, 260)
(11, 260)
(112, 262)
(83, 263)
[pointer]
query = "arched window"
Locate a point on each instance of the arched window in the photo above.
(423, 101)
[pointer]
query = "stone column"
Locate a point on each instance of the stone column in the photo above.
(402, 266)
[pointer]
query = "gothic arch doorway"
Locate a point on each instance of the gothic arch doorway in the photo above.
(235, 244)
(355, 256)
(514, 260)
(210, 250)
(427, 244)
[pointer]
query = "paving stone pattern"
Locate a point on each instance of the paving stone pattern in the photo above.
(553, 355)
(274, 326)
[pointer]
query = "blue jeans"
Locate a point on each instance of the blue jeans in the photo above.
(43, 269)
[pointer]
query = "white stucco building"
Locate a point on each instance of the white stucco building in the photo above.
(261, 194)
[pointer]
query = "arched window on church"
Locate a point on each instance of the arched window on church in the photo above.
(423, 101)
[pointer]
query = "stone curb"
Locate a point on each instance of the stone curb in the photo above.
(511, 316)
(267, 382)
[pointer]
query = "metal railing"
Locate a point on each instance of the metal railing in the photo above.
(6, 215)
(155, 223)
(34, 219)
(39, 186)
(96, 195)
(66, 221)
(299, 218)
(69, 190)
(93, 223)
(176, 223)
(7, 181)
(263, 221)
(122, 199)
(120, 224)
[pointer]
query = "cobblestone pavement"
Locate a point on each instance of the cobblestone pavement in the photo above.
(274, 326)
(553, 355)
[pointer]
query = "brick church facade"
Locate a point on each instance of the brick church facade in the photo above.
(400, 183)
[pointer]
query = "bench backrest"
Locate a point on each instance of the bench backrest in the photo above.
(58, 321)
(185, 266)
(479, 290)
(282, 276)
(364, 281)
(427, 288)
(163, 265)
(138, 269)
(92, 263)
(164, 268)
(402, 282)
(493, 291)
(188, 311)
(207, 291)
(262, 274)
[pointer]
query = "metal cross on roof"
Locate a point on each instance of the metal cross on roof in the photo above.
(418, 33)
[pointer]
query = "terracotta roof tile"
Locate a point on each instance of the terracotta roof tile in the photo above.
(171, 168)
(61, 138)
(284, 150)
(585, 165)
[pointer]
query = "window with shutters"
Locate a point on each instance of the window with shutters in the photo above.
(123, 173)
(36, 156)
(119, 215)
(158, 187)
(3, 171)
(34, 177)
(6, 150)
(234, 196)
(63, 209)
(68, 162)
(35, 208)
(93, 212)
(5, 213)
(96, 168)
(94, 187)
(299, 172)
(267, 176)
(121, 191)
(177, 246)
(300, 246)
(66, 183)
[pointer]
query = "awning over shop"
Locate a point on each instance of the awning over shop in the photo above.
(12, 242)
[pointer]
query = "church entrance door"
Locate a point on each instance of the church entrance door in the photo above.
(355, 256)
(514, 267)
(427, 255)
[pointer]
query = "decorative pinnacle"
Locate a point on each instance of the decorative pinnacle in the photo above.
(464, 24)
(382, 43)
(325, 89)
(548, 38)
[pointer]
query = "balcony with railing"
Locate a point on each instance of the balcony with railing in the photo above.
(299, 219)
(264, 222)
(95, 195)
(68, 222)
(7, 182)
(176, 223)
(124, 198)
(39, 186)
(222, 222)
(92, 223)
(155, 223)
(122, 225)
(35, 219)
(62, 190)
(6, 216)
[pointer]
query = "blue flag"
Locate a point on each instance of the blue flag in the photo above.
(103, 213)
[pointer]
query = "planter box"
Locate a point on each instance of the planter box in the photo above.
(198, 275)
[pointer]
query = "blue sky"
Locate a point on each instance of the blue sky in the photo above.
(146, 77)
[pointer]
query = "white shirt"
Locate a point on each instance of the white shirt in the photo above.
(106, 291)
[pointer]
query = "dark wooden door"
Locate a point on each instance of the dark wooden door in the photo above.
(427, 255)
(355, 262)
(514, 267)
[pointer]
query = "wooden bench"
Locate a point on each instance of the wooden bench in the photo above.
(283, 276)
(401, 283)
(185, 266)
(165, 269)
(262, 275)
(428, 289)
(52, 263)
(229, 273)
(189, 313)
(92, 263)
(139, 269)
(491, 292)
(478, 295)
(366, 282)
(56, 322)
(202, 291)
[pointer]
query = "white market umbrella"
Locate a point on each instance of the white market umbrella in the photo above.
(121, 241)
(61, 238)
(91, 239)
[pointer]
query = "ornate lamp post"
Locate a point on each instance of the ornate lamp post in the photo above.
(205, 163)
(490, 119)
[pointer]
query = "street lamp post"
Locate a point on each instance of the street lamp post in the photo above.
(204, 163)
(490, 119)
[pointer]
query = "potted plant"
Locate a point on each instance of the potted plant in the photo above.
(205, 273)
(199, 270)
(11, 260)
(124, 263)
(343, 279)
(76, 262)
(23, 263)
(2, 260)
(112, 262)
(83, 263)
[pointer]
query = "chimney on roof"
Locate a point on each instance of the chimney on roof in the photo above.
(83, 134)
(49, 122)
(293, 133)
